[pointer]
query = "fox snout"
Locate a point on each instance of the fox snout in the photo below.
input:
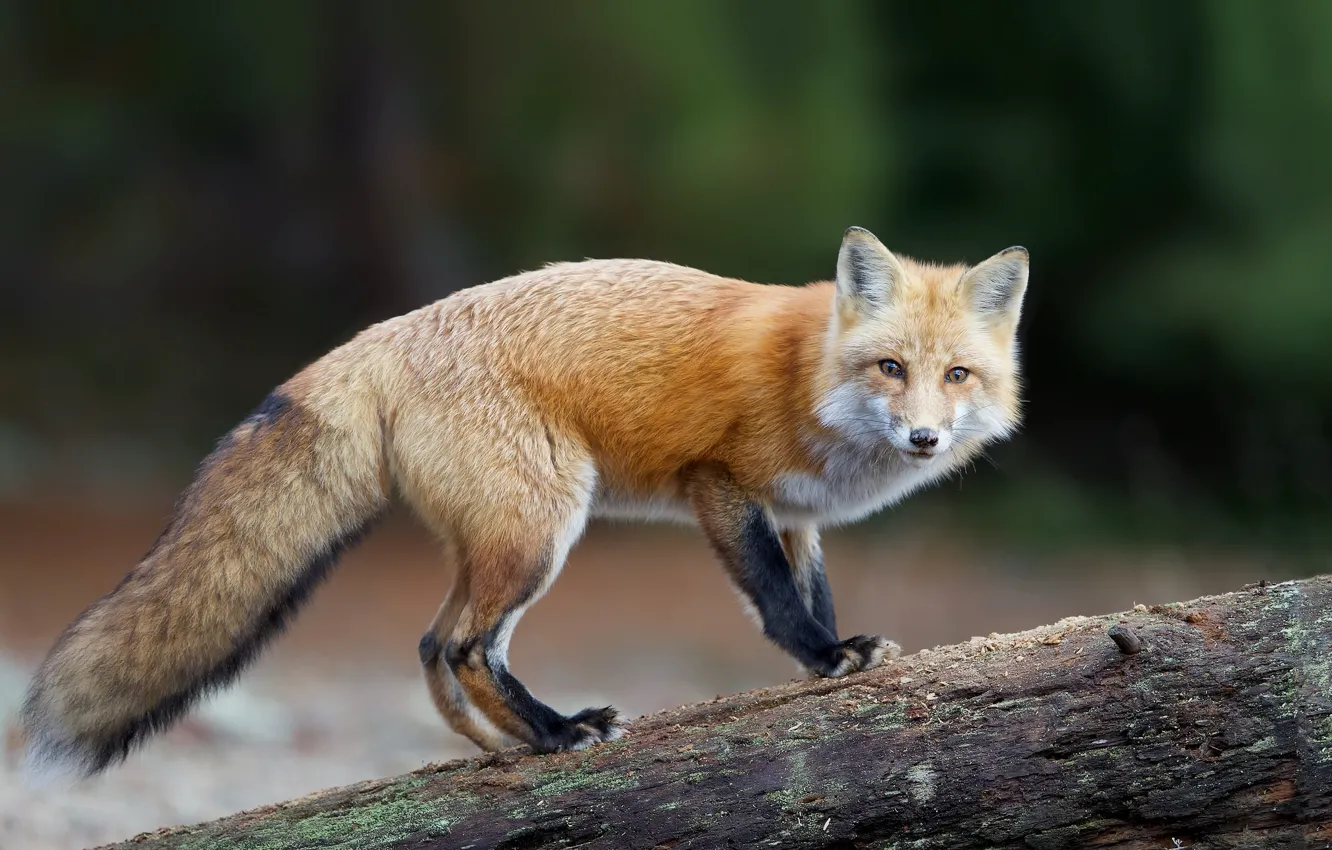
(924, 438)
(921, 442)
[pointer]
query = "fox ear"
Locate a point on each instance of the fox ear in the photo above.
(867, 273)
(996, 287)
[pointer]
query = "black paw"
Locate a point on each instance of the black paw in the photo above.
(862, 652)
(587, 727)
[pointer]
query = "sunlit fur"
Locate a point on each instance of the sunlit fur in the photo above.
(508, 414)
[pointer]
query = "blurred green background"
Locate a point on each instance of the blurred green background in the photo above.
(199, 198)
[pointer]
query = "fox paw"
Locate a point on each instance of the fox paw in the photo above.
(862, 652)
(587, 727)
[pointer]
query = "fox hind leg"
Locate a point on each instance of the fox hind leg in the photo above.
(511, 493)
(445, 691)
(511, 565)
(477, 654)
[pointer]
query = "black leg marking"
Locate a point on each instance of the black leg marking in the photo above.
(458, 653)
(554, 731)
(429, 649)
(765, 576)
(550, 731)
(820, 597)
(803, 551)
(763, 573)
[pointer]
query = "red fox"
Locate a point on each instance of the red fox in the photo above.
(509, 413)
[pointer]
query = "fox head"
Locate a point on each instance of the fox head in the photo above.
(922, 358)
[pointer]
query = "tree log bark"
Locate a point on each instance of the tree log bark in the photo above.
(1202, 724)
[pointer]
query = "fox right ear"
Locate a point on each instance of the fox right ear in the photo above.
(996, 287)
(867, 273)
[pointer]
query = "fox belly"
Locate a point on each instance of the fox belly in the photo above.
(842, 492)
(618, 505)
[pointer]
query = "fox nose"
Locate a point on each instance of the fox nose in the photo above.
(924, 438)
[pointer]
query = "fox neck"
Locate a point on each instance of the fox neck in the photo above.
(798, 332)
(821, 400)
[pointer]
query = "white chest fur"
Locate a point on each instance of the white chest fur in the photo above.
(852, 484)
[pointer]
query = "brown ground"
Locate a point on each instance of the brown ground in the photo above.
(641, 618)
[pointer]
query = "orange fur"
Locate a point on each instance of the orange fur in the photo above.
(507, 415)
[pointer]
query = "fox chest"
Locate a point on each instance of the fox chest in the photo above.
(848, 488)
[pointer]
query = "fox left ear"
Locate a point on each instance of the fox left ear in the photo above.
(867, 274)
(996, 287)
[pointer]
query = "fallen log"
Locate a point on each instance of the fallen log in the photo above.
(1201, 724)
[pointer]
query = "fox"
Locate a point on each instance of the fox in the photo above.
(506, 416)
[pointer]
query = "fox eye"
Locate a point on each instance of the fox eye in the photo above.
(892, 368)
(956, 375)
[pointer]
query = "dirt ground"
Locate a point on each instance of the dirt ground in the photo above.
(641, 618)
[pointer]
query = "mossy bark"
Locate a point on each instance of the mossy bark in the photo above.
(1216, 733)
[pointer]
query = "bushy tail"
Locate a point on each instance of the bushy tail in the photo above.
(268, 513)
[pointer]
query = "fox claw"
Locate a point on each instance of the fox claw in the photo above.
(587, 727)
(862, 652)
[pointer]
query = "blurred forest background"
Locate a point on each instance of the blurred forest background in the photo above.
(198, 199)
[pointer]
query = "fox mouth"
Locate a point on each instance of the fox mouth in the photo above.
(920, 454)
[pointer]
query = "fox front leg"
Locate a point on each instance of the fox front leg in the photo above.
(806, 557)
(742, 534)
